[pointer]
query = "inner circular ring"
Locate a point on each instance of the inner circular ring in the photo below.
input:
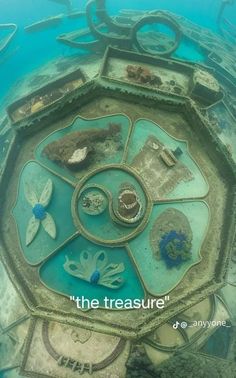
(133, 232)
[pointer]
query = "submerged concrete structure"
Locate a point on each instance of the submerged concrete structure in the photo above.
(117, 184)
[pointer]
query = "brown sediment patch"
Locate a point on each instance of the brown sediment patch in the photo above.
(159, 177)
(145, 76)
(128, 203)
(142, 75)
(99, 143)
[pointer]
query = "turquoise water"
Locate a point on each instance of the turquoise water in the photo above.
(29, 51)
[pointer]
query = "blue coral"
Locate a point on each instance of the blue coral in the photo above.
(39, 211)
(95, 277)
(175, 248)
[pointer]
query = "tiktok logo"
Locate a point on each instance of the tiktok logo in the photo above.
(182, 325)
(176, 325)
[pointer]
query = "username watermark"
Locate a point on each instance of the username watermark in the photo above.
(119, 304)
(201, 323)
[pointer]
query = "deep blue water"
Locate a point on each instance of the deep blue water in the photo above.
(27, 52)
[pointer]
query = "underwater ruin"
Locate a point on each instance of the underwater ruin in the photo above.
(118, 182)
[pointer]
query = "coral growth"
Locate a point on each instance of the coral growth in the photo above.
(142, 75)
(39, 211)
(175, 248)
(62, 150)
(94, 202)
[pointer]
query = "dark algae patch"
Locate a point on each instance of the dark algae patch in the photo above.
(94, 143)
